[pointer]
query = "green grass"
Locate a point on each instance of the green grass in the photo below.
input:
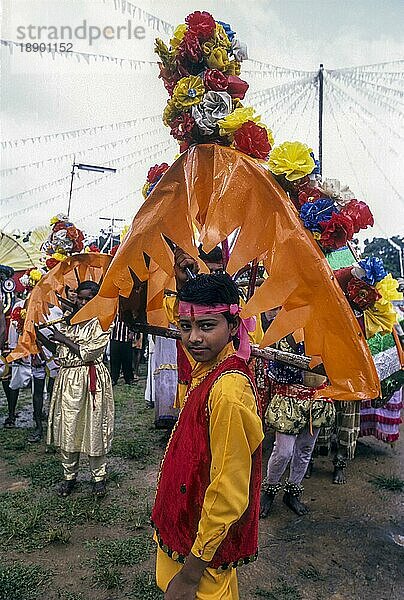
(133, 449)
(391, 484)
(22, 582)
(310, 572)
(144, 588)
(280, 591)
(65, 595)
(111, 555)
(42, 473)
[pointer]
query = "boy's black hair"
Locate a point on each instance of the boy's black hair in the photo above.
(211, 289)
(214, 256)
(88, 285)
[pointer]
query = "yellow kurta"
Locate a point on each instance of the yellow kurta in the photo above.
(76, 422)
(235, 431)
(170, 305)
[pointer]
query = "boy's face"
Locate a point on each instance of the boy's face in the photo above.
(83, 297)
(205, 336)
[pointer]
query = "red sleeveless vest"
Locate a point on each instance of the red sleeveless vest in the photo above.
(185, 476)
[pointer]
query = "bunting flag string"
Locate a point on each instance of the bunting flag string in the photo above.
(100, 210)
(347, 153)
(365, 147)
(381, 89)
(86, 56)
(275, 91)
(34, 190)
(374, 96)
(145, 159)
(262, 67)
(142, 15)
(286, 111)
(74, 133)
(285, 96)
(399, 62)
(310, 96)
(364, 115)
(348, 97)
(73, 155)
(353, 90)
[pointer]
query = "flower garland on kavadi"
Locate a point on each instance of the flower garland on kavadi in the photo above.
(200, 70)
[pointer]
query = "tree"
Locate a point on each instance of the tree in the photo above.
(381, 248)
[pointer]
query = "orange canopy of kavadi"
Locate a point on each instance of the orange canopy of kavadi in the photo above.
(75, 269)
(221, 191)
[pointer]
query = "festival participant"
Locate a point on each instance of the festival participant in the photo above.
(81, 415)
(296, 415)
(211, 470)
(121, 352)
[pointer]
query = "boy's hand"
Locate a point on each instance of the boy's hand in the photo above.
(182, 261)
(56, 335)
(185, 584)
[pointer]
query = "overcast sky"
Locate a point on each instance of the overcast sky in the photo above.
(43, 95)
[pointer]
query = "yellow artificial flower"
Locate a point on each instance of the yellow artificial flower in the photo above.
(54, 220)
(234, 120)
(35, 275)
(170, 112)
(221, 37)
(124, 231)
(317, 235)
(379, 319)
(178, 36)
(218, 59)
(233, 68)
(188, 92)
(291, 159)
(388, 289)
(145, 189)
(23, 313)
(59, 256)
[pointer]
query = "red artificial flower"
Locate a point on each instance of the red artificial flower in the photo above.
(72, 232)
(182, 126)
(215, 80)
(189, 49)
(58, 226)
(337, 231)
(156, 172)
(307, 193)
(201, 24)
(252, 140)
(361, 293)
(343, 276)
(360, 214)
(170, 78)
(237, 87)
(94, 248)
(114, 250)
(51, 262)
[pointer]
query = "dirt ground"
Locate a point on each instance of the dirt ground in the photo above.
(349, 547)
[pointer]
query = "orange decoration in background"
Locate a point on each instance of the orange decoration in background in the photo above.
(92, 266)
(223, 191)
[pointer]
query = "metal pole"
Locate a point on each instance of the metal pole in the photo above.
(71, 189)
(320, 116)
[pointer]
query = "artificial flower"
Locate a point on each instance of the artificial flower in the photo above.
(234, 120)
(227, 29)
(237, 88)
(146, 189)
(24, 280)
(94, 248)
(233, 68)
(291, 159)
(51, 262)
(123, 233)
(156, 172)
(214, 106)
(252, 139)
(188, 92)
(269, 133)
(170, 77)
(359, 213)
(170, 112)
(201, 24)
(178, 36)
(35, 275)
(215, 80)
(239, 50)
(316, 170)
(59, 256)
(336, 232)
(313, 213)
(307, 193)
(181, 127)
(373, 268)
(221, 38)
(190, 49)
(361, 293)
(217, 57)
(388, 289)
(380, 318)
(54, 220)
(163, 52)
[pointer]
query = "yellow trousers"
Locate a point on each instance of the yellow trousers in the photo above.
(213, 585)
